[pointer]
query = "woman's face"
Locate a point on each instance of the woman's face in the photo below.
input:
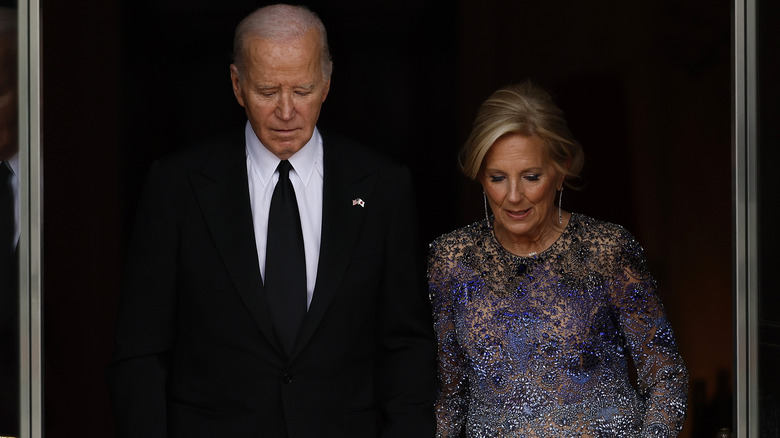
(520, 184)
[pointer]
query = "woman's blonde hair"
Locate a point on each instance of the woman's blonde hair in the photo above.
(525, 109)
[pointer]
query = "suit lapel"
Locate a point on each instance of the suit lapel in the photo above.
(223, 194)
(341, 224)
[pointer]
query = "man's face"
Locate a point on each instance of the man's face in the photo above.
(282, 91)
(9, 138)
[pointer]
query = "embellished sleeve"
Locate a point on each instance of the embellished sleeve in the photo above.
(662, 375)
(451, 402)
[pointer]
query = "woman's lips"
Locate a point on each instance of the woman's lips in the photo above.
(518, 214)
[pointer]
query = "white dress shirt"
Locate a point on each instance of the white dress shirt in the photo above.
(306, 176)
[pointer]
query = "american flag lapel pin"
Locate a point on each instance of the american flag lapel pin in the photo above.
(358, 201)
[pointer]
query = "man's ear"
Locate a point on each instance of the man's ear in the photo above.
(326, 90)
(235, 80)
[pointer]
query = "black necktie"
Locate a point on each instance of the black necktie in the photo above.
(285, 263)
(7, 221)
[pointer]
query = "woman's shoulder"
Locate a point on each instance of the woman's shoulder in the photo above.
(584, 227)
(466, 233)
(452, 252)
(609, 242)
(459, 241)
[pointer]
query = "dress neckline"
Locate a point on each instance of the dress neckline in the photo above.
(494, 239)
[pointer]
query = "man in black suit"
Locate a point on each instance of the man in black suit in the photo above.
(9, 227)
(217, 334)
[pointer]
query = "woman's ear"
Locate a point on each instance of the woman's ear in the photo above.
(567, 166)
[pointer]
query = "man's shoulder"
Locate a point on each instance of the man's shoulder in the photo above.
(227, 147)
(353, 154)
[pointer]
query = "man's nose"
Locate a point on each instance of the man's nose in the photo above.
(285, 108)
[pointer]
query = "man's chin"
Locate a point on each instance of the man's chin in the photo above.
(284, 150)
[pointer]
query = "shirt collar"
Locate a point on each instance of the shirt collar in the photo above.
(265, 162)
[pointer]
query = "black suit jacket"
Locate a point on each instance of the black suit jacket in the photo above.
(195, 352)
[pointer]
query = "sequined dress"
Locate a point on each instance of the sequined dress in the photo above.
(541, 346)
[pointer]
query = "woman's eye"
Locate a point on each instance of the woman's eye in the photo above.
(532, 177)
(497, 178)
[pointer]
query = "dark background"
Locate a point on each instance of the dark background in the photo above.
(646, 88)
(769, 208)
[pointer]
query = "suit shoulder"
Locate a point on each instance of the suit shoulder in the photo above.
(195, 156)
(358, 155)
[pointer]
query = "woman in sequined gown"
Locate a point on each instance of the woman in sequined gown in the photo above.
(540, 313)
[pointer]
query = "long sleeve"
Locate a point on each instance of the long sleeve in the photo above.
(662, 375)
(452, 401)
(405, 366)
(145, 323)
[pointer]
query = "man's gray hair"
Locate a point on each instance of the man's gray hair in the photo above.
(280, 23)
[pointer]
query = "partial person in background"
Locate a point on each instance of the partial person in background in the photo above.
(271, 287)
(540, 312)
(9, 226)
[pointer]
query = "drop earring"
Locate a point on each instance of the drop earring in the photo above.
(560, 201)
(487, 218)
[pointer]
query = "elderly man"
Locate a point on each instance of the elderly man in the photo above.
(271, 286)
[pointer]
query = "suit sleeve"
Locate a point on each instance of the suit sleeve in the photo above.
(406, 373)
(146, 318)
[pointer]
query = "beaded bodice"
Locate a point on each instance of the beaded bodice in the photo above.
(541, 346)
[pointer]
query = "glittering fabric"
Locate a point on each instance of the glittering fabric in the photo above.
(542, 346)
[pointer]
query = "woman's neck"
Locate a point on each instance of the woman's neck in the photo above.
(527, 245)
